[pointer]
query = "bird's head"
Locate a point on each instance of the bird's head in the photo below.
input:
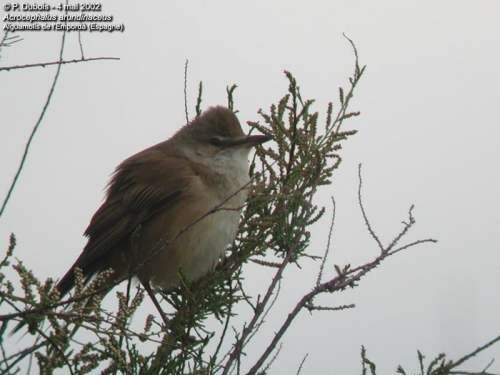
(218, 131)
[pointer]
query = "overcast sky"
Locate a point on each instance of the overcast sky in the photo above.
(428, 135)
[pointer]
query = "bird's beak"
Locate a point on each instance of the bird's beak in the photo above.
(249, 140)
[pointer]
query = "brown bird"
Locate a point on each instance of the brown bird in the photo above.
(153, 223)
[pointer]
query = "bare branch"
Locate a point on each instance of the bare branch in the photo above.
(59, 63)
(328, 243)
(363, 211)
(35, 128)
(302, 364)
(185, 90)
(80, 44)
(475, 352)
(198, 99)
(8, 41)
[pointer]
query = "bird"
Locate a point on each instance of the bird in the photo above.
(171, 209)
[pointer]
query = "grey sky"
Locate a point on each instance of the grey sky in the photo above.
(428, 135)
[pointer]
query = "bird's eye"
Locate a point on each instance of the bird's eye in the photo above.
(216, 140)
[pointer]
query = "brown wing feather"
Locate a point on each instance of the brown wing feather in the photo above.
(146, 183)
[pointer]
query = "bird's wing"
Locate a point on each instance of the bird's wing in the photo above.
(143, 185)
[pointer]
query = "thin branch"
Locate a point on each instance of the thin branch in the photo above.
(302, 364)
(230, 97)
(35, 128)
(357, 70)
(264, 315)
(472, 373)
(406, 228)
(488, 365)
(294, 90)
(198, 99)
(327, 250)
(312, 307)
(59, 63)
(344, 100)
(8, 41)
(273, 359)
(224, 330)
(23, 353)
(185, 90)
(80, 44)
(472, 354)
(265, 263)
(363, 211)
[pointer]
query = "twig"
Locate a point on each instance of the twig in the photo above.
(59, 63)
(185, 90)
(23, 353)
(472, 354)
(8, 41)
(198, 99)
(266, 313)
(344, 100)
(80, 44)
(407, 226)
(294, 121)
(302, 364)
(472, 373)
(327, 250)
(266, 263)
(273, 359)
(363, 211)
(357, 70)
(35, 128)
(230, 98)
(224, 330)
(312, 307)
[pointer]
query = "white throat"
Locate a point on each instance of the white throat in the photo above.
(233, 163)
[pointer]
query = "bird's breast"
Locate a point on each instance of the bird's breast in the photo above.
(207, 221)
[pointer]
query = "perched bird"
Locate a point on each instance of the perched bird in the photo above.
(153, 223)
